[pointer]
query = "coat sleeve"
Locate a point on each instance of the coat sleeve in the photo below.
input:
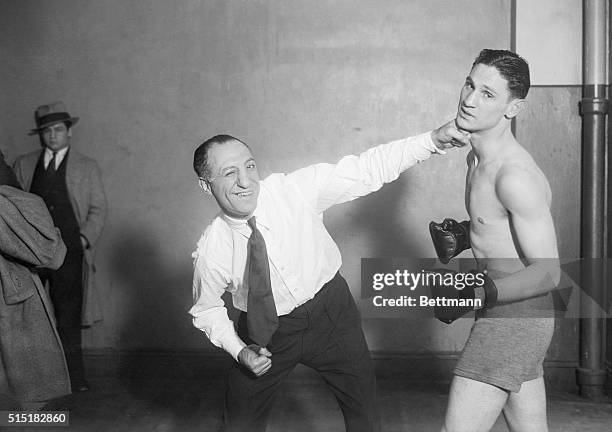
(18, 170)
(7, 176)
(27, 232)
(96, 212)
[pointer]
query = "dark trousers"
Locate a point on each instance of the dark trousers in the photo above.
(325, 334)
(66, 292)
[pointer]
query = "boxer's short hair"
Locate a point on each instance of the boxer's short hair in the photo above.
(511, 66)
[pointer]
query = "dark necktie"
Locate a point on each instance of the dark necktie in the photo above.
(51, 166)
(262, 320)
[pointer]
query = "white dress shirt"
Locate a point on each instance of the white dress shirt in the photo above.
(289, 214)
(59, 157)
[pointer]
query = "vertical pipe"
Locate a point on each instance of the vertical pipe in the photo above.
(608, 251)
(513, 47)
(594, 106)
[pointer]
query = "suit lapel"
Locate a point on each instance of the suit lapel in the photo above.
(30, 166)
(74, 174)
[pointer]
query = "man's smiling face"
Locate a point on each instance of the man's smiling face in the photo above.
(234, 179)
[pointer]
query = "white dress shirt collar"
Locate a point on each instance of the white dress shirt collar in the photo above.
(241, 226)
(59, 156)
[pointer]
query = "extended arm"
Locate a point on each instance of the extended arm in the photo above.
(324, 185)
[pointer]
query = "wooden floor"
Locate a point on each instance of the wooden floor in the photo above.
(304, 405)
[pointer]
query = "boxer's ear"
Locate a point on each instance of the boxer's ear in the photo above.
(205, 185)
(514, 107)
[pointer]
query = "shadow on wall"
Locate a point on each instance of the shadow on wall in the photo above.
(379, 222)
(379, 226)
(152, 311)
(155, 295)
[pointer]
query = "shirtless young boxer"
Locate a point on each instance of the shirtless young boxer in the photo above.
(512, 236)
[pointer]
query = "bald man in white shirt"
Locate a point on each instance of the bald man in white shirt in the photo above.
(314, 319)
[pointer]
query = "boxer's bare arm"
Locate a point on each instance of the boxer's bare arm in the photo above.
(523, 193)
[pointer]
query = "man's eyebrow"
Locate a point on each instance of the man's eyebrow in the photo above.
(227, 168)
(489, 89)
(55, 126)
(469, 80)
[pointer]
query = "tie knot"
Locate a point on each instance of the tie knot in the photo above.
(252, 223)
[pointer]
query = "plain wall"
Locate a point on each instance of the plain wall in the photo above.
(549, 34)
(301, 81)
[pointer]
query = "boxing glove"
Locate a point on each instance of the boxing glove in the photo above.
(448, 285)
(450, 238)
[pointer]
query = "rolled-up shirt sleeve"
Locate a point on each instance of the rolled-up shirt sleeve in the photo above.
(209, 311)
(325, 185)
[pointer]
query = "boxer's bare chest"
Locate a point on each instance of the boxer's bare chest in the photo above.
(481, 199)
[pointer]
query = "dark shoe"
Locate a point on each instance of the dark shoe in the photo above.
(63, 403)
(80, 387)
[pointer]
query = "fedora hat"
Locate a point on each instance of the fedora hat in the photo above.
(50, 114)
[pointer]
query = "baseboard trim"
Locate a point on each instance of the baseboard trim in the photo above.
(408, 366)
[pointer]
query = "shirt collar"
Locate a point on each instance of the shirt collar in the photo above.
(241, 226)
(236, 224)
(60, 153)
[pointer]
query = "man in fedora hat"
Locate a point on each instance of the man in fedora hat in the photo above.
(71, 186)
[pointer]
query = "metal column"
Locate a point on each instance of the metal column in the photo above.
(594, 107)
